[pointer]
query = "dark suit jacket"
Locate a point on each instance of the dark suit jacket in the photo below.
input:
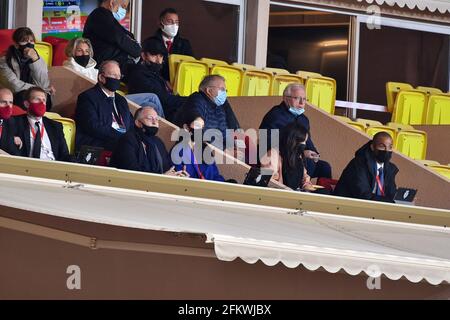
(7, 138)
(55, 133)
(110, 41)
(179, 46)
(93, 117)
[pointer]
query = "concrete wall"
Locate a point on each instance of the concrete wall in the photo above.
(438, 138)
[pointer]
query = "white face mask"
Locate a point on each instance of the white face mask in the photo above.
(170, 29)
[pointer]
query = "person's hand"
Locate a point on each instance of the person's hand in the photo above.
(309, 187)
(31, 54)
(18, 142)
(311, 155)
(52, 90)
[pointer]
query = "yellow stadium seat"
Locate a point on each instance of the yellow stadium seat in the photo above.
(412, 143)
(276, 71)
(174, 61)
(392, 89)
(123, 94)
(45, 51)
(69, 132)
(256, 83)
(321, 92)
(245, 67)
(52, 115)
(343, 118)
(233, 78)
(281, 81)
(369, 123)
(442, 170)
(213, 62)
(189, 76)
(429, 162)
(373, 130)
(410, 107)
(438, 110)
(305, 75)
(356, 125)
(429, 90)
(400, 126)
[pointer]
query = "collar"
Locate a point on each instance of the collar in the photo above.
(379, 165)
(32, 120)
(166, 38)
(106, 94)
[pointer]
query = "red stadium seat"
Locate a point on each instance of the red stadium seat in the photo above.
(18, 111)
(5, 39)
(59, 47)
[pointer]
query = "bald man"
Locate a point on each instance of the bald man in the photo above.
(9, 140)
(370, 175)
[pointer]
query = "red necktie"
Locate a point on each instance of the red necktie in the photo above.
(169, 46)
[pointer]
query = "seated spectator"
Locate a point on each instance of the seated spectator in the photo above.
(212, 105)
(168, 36)
(370, 175)
(42, 138)
(188, 153)
(292, 110)
(9, 141)
(102, 116)
(22, 68)
(79, 52)
(110, 40)
(141, 150)
(287, 160)
(146, 77)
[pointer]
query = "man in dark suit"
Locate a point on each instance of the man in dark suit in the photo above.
(370, 175)
(9, 141)
(42, 138)
(110, 41)
(102, 116)
(171, 40)
(146, 77)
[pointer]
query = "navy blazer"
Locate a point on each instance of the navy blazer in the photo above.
(55, 133)
(9, 131)
(93, 117)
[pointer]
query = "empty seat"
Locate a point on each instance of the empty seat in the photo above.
(392, 89)
(59, 49)
(69, 132)
(400, 126)
(189, 76)
(6, 39)
(438, 110)
(373, 130)
(305, 75)
(233, 78)
(52, 115)
(410, 107)
(412, 143)
(45, 51)
(213, 62)
(442, 170)
(343, 118)
(356, 125)
(429, 162)
(277, 70)
(256, 83)
(429, 90)
(174, 61)
(245, 67)
(321, 92)
(281, 81)
(369, 123)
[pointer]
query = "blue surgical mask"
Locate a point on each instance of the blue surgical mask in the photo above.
(120, 14)
(296, 111)
(221, 98)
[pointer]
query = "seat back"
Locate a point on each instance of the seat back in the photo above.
(45, 51)
(233, 78)
(321, 92)
(442, 170)
(392, 89)
(256, 83)
(189, 76)
(305, 75)
(356, 125)
(373, 130)
(213, 62)
(174, 61)
(400, 126)
(412, 143)
(276, 71)
(438, 110)
(244, 67)
(281, 81)
(59, 49)
(429, 90)
(6, 39)
(69, 128)
(369, 123)
(52, 115)
(410, 107)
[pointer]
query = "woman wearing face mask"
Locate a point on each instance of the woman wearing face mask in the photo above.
(286, 160)
(188, 154)
(79, 53)
(23, 68)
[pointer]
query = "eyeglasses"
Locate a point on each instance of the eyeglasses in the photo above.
(7, 102)
(299, 99)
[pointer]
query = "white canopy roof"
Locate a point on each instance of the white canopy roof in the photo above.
(442, 6)
(250, 232)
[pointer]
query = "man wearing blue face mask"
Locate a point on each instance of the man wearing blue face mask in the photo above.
(121, 12)
(292, 109)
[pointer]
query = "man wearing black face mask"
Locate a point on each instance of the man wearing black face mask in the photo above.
(370, 175)
(145, 77)
(102, 116)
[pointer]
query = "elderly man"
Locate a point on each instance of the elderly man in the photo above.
(9, 141)
(212, 105)
(141, 150)
(292, 109)
(370, 175)
(109, 39)
(102, 116)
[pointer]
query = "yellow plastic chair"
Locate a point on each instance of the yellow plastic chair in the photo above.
(356, 125)
(244, 67)
(45, 51)
(69, 128)
(343, 118)
(189, 76)
(429, 163)
(429, 90)
(400, 126)
(438, 110)
(442, 170)
(392, 90)
(174, 61)
(256, 83)
(412, 143)
(373, 130)
(410, 107)
(214, 62)
(305, 75)
(281, 81)
(369, 123)
(276, 71)
(321, 92)
(233, 78)
(52, 115)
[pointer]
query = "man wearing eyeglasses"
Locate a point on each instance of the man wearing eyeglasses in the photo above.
(292, 109)
(9, 140)
(102, 116)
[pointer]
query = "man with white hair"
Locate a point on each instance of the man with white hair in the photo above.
(292, 109)
(9, 140)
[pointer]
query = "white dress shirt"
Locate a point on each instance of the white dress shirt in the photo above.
(46, 145)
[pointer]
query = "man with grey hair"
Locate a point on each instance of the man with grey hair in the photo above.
(212, 104)
(292, 109)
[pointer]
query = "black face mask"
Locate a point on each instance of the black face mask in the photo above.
(82, 60)
(383, 155)
(112, 84)
(28, 45)
(155, 67)
(149, 131)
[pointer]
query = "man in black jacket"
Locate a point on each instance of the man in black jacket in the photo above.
(9, 141)
(169, 37)
(110, 41)
(370, 175)
(145, 77)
